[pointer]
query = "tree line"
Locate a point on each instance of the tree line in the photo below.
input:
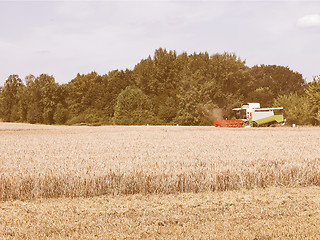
(167, 88)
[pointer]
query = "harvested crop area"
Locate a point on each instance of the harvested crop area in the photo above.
(270, 213)
(38, 161)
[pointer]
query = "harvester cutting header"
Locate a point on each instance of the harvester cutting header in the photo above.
(250, 114)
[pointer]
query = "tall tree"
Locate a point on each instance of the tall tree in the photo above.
(312, 91)
(195, 100)
(280, 80)
(78, 88)
(9, 105)
(43, 95)
(296, 108)
(49, 98)
(133, 107)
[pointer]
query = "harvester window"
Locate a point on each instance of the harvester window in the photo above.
(241, 114)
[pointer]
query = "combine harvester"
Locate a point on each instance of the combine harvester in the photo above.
(251, 115)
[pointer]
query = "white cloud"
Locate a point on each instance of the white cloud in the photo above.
(308, 21)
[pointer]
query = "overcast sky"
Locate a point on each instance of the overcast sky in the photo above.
(63, 38)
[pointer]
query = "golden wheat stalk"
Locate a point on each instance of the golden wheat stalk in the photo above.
(56, 161)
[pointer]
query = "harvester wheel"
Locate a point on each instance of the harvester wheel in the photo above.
(254, 124)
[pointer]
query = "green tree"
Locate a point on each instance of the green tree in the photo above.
(144, 76)
(168, 110)
(133, 107)
(280, 80)
(158, 77)
(262, 95)
(231, 74)
(78, 98)
(49, 98)
(10, 100)
(312, 91)
(61, 114)
(296, 108)
(42, 93)
(117, 81)
(91, 97)
(23, 101)
(195, 100)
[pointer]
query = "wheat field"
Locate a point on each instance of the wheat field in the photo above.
(38, 161)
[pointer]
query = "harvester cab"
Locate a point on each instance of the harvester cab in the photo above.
(251, 114)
